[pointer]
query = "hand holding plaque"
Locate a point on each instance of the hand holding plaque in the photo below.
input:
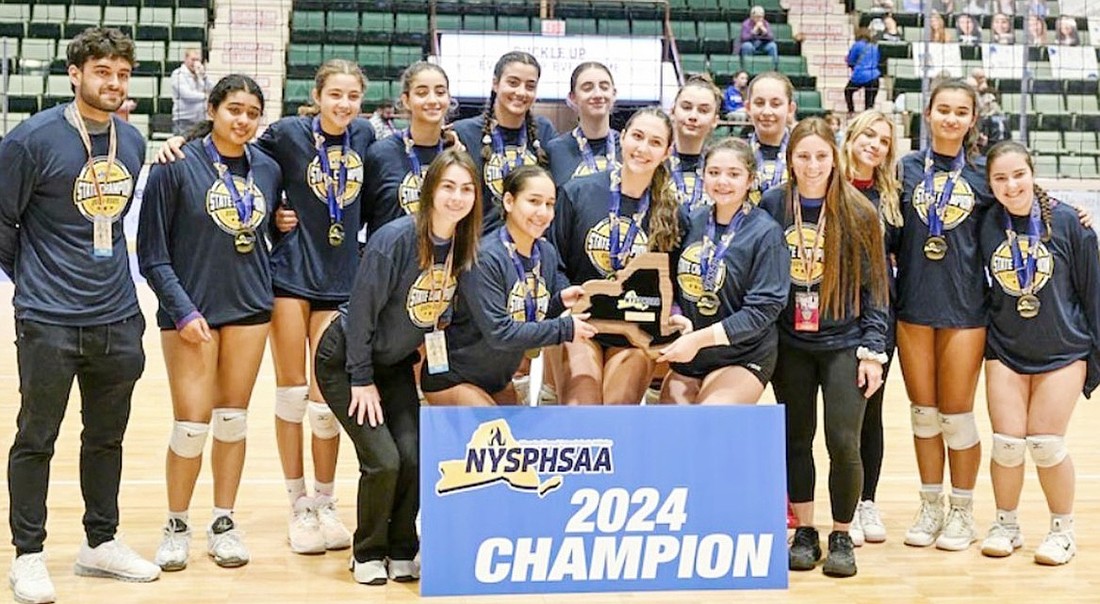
(636, 304)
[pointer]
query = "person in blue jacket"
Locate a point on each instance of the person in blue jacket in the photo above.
(863, 60)
(1042, 346)
(210, 210)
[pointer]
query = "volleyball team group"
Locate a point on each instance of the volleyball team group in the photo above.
(795, 260)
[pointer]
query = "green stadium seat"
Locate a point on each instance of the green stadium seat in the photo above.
(411, 28)
(342, 26)
(807, 99)
(375, 60)
(297, 91)
(757, 64)
(154, 23)
(1081, 143)
(403, 56)
(339, 51)
(693, 63)
(1077, 166)
(580, 26)
(646, 27)
(792, 66)
(448, 22)
(782, 31)
(13, 20)
(307, 26)
(479, 22)
(614, 27)
(1082, 103)
(725, 65)
(24, 91)
(190, 24)
(1046, 165)
(376, 27)
(513, 23)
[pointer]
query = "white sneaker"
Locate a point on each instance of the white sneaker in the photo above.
(547, 395)
(304, 529)
(928, 524)
(30, 580)
(1002, 540)
(115, 560)
(404, 571)
(371, 572)
(1057, 548)
(224, 544)
(522, 386)
(652, 396)
(175, 546)
(874, 531)
(855, 530)
(958, 528)
(334, 534)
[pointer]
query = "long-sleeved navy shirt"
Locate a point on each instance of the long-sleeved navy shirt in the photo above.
(950, 292)
(752, 283)
(490, 331)
(469, 131)
(393, 190)
(302, 260)
(567, 160)
(392, 304)
(868, 328)
(186, 234)
(46, 221)
(1067, 283)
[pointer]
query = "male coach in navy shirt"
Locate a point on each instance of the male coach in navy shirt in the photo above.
(68, 174)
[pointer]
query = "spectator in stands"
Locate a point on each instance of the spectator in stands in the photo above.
(1000, 32)
(1067, 32)
(757, 38)
(733, 107)
(967, 30)
(189, 89)
(943, 7)
(863, 60)
(891, 33)
(382, 120)
(976, 7)
(992, 122)
(1037, 8)
(1036, 30)
(939, 28)
(1006, 7)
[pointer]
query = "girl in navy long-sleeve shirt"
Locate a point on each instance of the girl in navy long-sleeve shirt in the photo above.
(593, 145)
(1042, 346)
(733, 277)
(401, 299)
(510, 302)
(210, 209)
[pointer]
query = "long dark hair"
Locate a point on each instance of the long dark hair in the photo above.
(524, 58)
(970, 143)
(853, 235)
(226, 86)
(468, 231)
(1046, 203)
(664, 224)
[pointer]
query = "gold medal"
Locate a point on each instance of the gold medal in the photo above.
(1028, 306)
(708, 304)
(245, 241)
(336, 234)
(532, 353)
(935, 248)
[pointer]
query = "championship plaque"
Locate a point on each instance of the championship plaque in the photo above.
(636, 303)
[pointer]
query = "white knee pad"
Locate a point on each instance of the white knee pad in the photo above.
(188, 438)
(322, 421)
(229, 425)
(290, 403)
(926, 423)
(1047, 450)
(960, 431)
(1008, 451)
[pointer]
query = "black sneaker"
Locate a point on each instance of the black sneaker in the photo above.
(805, 548)
(841, 561)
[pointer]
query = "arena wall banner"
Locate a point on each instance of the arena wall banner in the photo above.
(602, 499)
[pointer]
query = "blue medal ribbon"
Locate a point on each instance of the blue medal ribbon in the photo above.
(244, 203)
(711, 254)
(587, 155)
(681, 183)
(937, 204)
(530, 308)
(334, 192)
(414, 161)
(780, 163)
(620, 251)
(1025, 267)
(521, 150)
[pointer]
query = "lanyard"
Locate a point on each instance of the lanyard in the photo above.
(1025, 267)
(414, 161)
(620, 251)
(334, 192)
(521, 151)
(244, 203)
(681, 183)
(112, 149)
(937, 204)
(780, 163)
(712, 254)
(529, 289)
(443, 286)
(587, 156)
(809, 255)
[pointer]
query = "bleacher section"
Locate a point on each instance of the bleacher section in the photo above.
(1063, 113)
(38, 35)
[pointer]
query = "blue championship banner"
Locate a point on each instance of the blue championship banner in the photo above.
(597, 499)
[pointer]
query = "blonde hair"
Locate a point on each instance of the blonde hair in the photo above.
(885, 176)
(329, 68)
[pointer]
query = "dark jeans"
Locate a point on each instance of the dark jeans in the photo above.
(798, 375)
(871, 442)
(389, 455)
(870, 91)
(106, 361)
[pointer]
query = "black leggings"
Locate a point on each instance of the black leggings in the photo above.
(870, 91)
(389, 456)
(798, 375)
(871, 442)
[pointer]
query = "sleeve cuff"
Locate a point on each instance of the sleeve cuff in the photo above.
(191, 316)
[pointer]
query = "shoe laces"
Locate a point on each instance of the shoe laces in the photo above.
(1059, 539)
(869, 514)
(928, 517)
(306, 516)
(326, 511)
(805, 537)
(1001, 531)
(958, 519)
